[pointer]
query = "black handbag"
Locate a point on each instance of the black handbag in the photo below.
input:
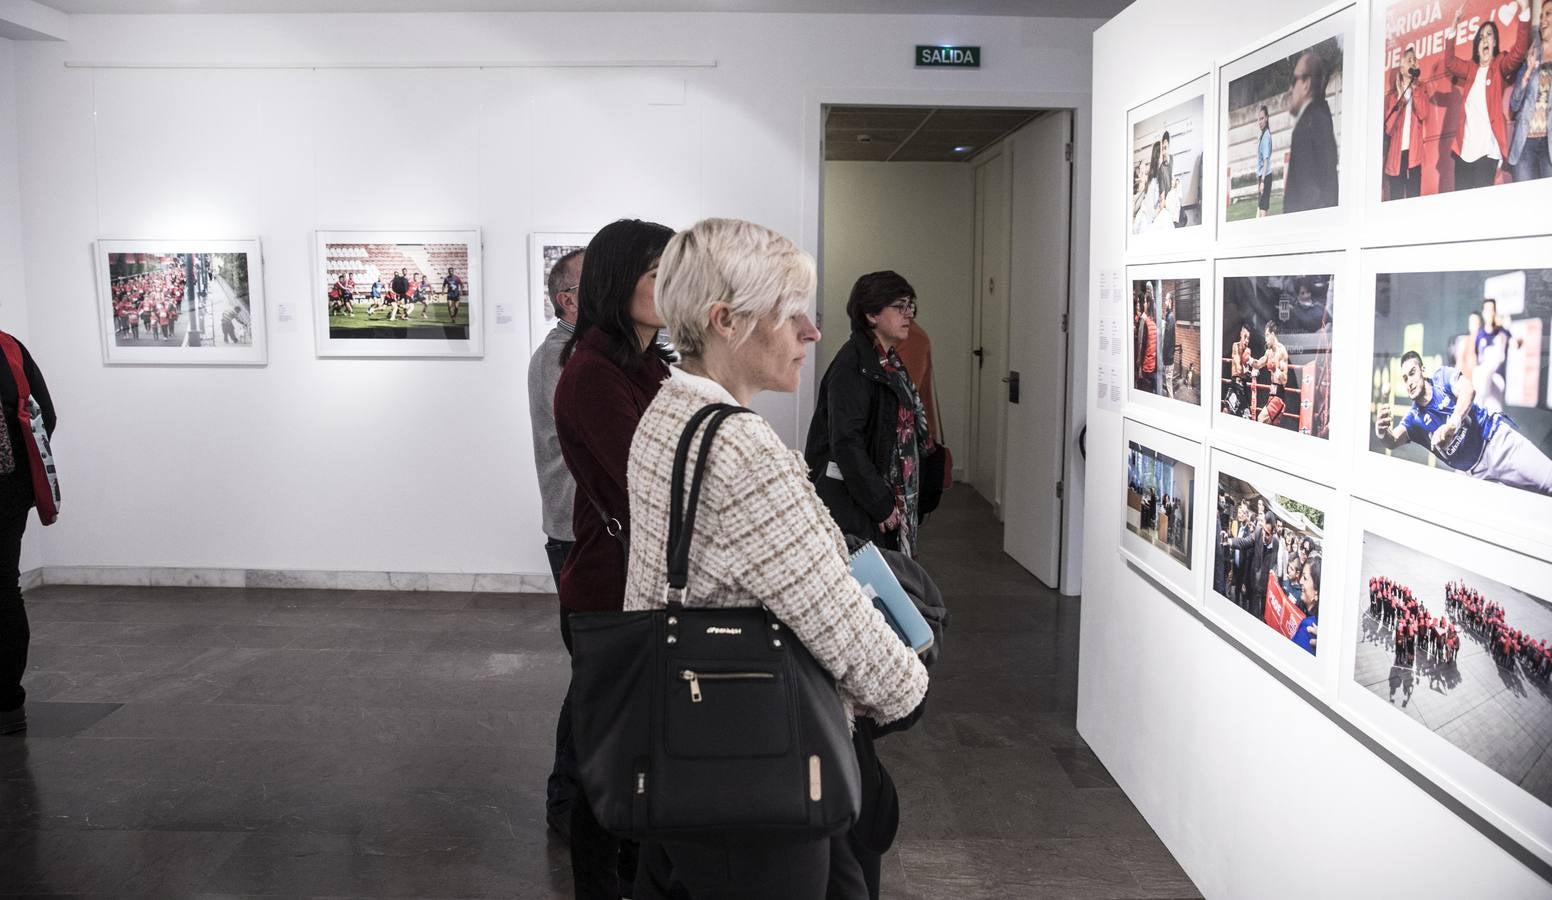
(701, 724)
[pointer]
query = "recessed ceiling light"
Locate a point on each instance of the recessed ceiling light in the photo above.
(963, 149)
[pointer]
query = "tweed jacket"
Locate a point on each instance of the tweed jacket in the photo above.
(762, 536)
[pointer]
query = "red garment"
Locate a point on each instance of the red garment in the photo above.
(597, 407)
(1150, 352)
(1500, 70)
(1396, 112)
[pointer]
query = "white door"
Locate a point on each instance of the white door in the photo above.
(1041, 188)
(990, 334)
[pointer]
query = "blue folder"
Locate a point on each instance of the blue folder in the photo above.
(879, 583)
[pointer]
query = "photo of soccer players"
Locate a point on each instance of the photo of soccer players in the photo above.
(1460, 370)
(544, 249)
(1166, 167)
(1158, 500)
(1166, 338)
(1274, 366)
(1464, 655)
(180, 302)
(399, 293)
(1465, 90)
(1282, 123)
(1268, 558)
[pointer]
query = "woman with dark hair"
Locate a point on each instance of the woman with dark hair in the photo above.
(869, 430)
(1307, 634)
(1482, 140)
(16, 498)
(613, 366)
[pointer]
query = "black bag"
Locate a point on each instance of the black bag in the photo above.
(700, 724)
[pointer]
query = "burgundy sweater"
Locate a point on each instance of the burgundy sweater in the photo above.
(597, 406)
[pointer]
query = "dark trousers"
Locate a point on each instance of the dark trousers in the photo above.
(825, 869)
(1409, 183)
(1479, 174)
(562, 784)
(1535, 160)
(15, 636)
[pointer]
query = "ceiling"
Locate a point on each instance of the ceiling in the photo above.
(1084, 9)
(916, 133)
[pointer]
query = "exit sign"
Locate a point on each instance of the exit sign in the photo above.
(930, 57)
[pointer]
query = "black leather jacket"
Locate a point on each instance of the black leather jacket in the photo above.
(854, 427)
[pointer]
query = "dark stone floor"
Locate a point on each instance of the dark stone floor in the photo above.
(226, 743)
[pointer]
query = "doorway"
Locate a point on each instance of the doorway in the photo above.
(973, 206)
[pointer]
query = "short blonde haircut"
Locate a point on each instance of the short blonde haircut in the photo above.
(751, 268)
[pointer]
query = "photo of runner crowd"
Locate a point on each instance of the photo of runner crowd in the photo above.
(179, 299)
(1465, 656)
(397, 290)
(1268, 560)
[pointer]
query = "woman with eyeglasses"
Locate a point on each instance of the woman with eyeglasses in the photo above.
(869, 430)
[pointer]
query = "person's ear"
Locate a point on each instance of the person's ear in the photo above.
(720, 318)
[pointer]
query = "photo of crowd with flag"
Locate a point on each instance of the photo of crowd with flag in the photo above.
(1280, 588)
(1275, 358)
(179, 299)
(1158, 500)
(1464, 655)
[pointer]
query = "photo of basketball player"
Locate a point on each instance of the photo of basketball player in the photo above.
(1166, 328)
(1461, 362)
(1461, 654)
(1275, 361)
(1158, 500)
(1283, 109)
(1268, 558)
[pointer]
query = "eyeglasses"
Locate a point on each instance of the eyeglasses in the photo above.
(572, 289)
(904, 307)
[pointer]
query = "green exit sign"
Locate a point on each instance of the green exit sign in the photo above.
(929, 57)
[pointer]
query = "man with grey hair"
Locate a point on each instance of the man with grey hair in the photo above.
(558, 490)
(1310, 181)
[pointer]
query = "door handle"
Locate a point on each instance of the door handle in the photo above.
(1012, 381)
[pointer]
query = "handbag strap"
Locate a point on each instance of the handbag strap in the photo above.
(681, 509)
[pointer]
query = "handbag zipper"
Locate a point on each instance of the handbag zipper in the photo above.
(695, 678)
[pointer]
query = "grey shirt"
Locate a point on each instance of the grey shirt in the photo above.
(556, 486)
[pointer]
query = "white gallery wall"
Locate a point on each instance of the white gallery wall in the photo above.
(1255, 791)
(917, 218)
(274, 126)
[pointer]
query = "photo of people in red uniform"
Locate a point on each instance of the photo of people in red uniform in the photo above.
(180, 299)
(1466, 95)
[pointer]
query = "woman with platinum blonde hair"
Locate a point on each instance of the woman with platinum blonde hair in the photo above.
(735, 299)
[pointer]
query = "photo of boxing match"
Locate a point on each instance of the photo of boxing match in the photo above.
(1268, 558)
(1460, 373)
(1275, 362)
(1465, 656)
(1158, 501)
(1166, 330)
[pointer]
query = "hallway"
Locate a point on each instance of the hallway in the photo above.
(191, 742)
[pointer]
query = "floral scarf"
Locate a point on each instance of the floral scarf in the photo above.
(912, 442)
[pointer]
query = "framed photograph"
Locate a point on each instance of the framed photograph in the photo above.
(545, 249)
(1282, 141)
(1279, 330)
(1164, 350)
(1458, 424)
(1170, 170)
(1159, 531)
(1447, 658)
(172, 303)
(1276, 551)
(410, 293)
(1435, 132)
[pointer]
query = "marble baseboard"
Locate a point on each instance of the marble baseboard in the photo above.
(457, 582)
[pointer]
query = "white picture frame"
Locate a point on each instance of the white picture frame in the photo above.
(1238, 224)
(1510, 516)
(1175, 570)
(1477, 214)
(1428, 554)
(196, 302)
(1305, 453)
(1316, 672)
(394, 333)
(544, 248)
(1160, 409)
(1187, 114)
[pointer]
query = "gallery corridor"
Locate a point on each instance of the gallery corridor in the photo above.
(191, 742)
